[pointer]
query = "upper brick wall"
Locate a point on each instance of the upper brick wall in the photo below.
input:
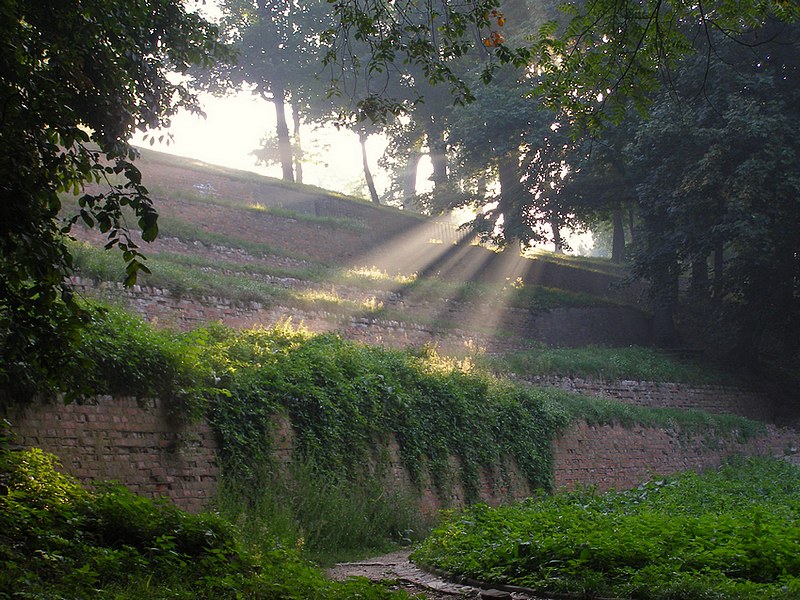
(615, 457)
(716, 399)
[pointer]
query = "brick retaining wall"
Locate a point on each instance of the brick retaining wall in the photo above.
(126, 440)
(133, 442)
(709, 398)
(614, 457)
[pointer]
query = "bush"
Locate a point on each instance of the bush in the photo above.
(58, 540)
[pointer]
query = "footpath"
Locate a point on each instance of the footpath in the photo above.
(396, 567)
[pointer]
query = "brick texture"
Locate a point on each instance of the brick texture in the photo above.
(133, 442)
(125, 440)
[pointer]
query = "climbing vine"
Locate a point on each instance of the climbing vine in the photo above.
(344, 398)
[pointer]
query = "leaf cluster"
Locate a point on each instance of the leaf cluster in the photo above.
(342, 398)
(75, 83)
(730, 533)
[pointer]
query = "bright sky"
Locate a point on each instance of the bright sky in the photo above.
(234, 126)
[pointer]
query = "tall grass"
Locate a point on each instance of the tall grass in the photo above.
(330, 519)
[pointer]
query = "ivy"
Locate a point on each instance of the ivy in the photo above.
(343, 399)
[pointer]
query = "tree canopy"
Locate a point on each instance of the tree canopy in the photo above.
(77, 79)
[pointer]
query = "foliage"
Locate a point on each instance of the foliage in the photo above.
(730, 533)
(76, 82)
(717, 182)
(121, 354)
(329, 519)
(609, 364)
(60, 540)
(342, 397)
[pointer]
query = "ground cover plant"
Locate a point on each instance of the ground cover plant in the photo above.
(733, 533)
(60, 540)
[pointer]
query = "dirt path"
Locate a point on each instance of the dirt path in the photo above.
(397, 567)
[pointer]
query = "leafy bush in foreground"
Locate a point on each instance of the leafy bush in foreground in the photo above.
(732, 533)
(59, 540)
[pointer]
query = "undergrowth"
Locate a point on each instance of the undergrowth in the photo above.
(60, 540)
(731, 534)
(343, 405)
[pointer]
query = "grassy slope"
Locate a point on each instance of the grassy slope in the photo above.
(272, 255)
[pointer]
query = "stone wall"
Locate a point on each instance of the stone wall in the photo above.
(126, 440)
(133, 442)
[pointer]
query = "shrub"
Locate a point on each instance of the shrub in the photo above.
(58, 540)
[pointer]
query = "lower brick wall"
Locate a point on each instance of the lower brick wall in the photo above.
(133, 442)
(614, 457)
(126, 440)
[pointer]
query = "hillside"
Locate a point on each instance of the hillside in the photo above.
(275, 251)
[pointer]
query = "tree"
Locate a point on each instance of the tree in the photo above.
(76, 81)
(718, 180)
(279, 58)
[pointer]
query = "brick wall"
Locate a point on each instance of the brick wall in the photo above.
(133, 442)
(126, 440)
(615, 457)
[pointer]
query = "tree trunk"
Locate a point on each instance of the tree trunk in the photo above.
(297, 155)
(282, 129)
(719, 266)
(438, 153)
(631, 224)
(555, 225)
(410, 179)
(511, 191)
(373, 193)
(618, 239)
(698, 286)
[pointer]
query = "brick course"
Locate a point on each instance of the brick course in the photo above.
(125, 440)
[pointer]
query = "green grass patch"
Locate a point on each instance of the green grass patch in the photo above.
(331, 519)
(731, 533)
(585, 263)
(284, 213)
(172, 227)
(60, 540)
(610, 364)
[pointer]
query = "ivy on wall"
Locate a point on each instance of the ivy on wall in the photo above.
(344, 398)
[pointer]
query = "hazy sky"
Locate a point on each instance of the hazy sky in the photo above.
(234, 127)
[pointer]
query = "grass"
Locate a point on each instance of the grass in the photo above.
(608, 364)
(731, 533)
(330, 520)
(586, 263)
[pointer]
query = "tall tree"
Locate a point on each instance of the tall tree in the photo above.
(279, 58)
(77, 79)
(718, 176)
